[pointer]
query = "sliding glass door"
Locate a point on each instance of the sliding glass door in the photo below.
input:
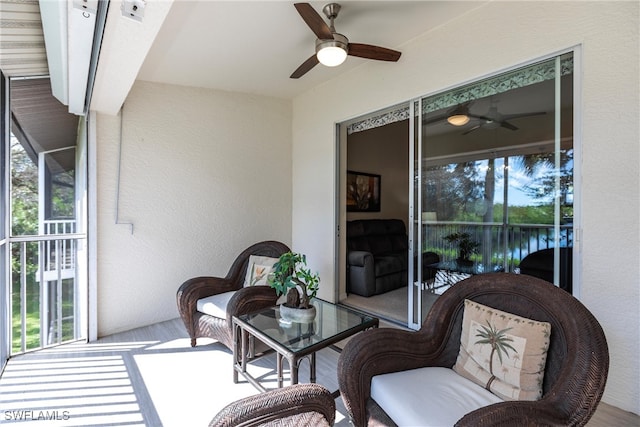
(492, 181)
(44, 242)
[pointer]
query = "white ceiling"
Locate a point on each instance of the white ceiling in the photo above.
(253, 46)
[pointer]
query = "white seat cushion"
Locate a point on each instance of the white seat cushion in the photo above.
(215, 305)
(428, 396)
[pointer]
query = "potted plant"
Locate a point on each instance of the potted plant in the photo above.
(291, 277)
(466, 246)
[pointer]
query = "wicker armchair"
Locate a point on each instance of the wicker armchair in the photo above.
(245, 300)
(575, 373)
(300, 405)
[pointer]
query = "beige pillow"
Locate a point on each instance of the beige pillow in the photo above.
(513, 368)
(258, 270)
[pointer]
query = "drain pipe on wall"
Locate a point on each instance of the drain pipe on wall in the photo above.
(118, 222)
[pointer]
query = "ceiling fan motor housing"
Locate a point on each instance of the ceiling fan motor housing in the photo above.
(338, 41)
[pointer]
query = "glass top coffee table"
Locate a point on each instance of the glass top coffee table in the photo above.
(294, 341)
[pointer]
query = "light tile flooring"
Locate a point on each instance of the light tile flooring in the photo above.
(151, 377)
(145, 377)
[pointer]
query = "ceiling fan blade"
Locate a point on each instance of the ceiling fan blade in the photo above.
(373, 52)
(521, 115)
(305, 67)
(477, 116)
(505, 124)
(435, 119)
(476, 127)
(314, 21)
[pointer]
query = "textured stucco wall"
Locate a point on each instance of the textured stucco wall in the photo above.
(204, 174)
(495, 37)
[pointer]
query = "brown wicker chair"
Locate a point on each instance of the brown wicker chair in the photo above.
(300, 405)
(575, 373)
(245, 300)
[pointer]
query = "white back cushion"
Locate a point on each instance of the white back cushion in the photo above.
(426, 397)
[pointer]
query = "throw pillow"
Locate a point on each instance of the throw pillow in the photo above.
(258, 270)
(504, 353)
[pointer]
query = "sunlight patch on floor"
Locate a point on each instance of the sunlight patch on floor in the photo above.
(58, 390)
(144, 382)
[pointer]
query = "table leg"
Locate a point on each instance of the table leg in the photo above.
(279, 369)
(293, 364)
(235, 353)
(312, 368)
(245, 341)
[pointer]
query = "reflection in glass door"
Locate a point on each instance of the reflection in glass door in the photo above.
(493, 180)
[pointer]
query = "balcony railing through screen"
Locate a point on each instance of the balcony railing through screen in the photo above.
(45, 287)
(499, 244)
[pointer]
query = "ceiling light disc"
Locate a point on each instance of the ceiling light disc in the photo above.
(458, 119)
(332, 52)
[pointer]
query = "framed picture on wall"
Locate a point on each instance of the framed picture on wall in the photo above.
(363, 192)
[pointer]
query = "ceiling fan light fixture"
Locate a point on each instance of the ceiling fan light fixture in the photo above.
(460, 115)
(332, 52)
(458, 119)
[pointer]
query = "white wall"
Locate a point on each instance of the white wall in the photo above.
(497, 36)
(383, 151)
(204, 175)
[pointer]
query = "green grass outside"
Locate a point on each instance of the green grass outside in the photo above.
(32, 332)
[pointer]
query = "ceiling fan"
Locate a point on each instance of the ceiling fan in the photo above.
(456, 116)
(492, 119)
(332, 47)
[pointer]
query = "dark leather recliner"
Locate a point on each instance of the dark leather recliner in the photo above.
(377, 256)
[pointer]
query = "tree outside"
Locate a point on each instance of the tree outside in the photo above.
(24, 221)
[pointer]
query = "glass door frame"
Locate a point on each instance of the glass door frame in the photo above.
(5, 298)
(414, 286)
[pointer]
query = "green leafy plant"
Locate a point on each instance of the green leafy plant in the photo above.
(291, 276)
(466, 246)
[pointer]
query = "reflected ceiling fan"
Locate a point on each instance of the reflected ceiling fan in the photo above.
(456, 116)
(332, 47)
(492, 119)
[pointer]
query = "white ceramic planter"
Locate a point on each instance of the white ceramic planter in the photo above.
(298, 315)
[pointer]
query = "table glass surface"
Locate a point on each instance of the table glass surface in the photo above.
(331, 320)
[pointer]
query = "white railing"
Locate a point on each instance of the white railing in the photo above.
(44, 278)
(59, 256)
